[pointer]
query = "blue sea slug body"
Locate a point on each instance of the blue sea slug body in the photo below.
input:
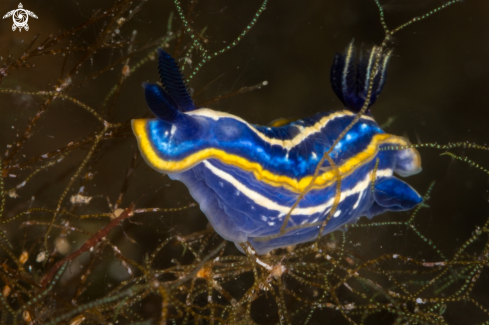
(246, 177)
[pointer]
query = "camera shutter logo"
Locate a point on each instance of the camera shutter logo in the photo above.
(20, 17)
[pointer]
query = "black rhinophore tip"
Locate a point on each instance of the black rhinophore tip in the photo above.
(350, 76)
(160, 103)
(173, 82)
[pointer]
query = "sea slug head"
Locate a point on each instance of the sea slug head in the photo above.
(173, 128)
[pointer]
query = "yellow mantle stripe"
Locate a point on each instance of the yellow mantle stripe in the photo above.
(292, 184)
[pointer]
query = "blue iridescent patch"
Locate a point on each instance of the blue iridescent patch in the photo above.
(247, 177)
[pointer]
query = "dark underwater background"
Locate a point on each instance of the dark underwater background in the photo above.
(437, 91)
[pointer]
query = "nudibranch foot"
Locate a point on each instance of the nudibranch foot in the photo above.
(246, 177)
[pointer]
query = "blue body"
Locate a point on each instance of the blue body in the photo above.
(247, 177)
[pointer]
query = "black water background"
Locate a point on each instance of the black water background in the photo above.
(437, 88)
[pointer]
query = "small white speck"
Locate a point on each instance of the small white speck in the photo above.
(264, 218)
(41, 257)
(265, 265)
(80, 199)
(221, 184)
(271, 223)
(173, 129)
(420, 301)
(337, 213)
(314, 156)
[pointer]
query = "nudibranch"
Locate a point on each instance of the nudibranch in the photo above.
(246, 177)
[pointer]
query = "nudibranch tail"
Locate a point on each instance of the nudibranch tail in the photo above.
(173, 82)
(160, 103)
(395, 194)
(350, 76)
(392, 194)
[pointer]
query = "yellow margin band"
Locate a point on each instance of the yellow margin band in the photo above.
(323, 180)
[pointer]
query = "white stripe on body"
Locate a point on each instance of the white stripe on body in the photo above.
(265, 202)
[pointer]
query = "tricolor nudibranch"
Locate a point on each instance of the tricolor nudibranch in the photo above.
(246, 177)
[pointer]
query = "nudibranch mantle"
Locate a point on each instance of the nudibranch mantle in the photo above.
(247, 177)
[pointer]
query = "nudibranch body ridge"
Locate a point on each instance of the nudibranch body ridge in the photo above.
(246, 177)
